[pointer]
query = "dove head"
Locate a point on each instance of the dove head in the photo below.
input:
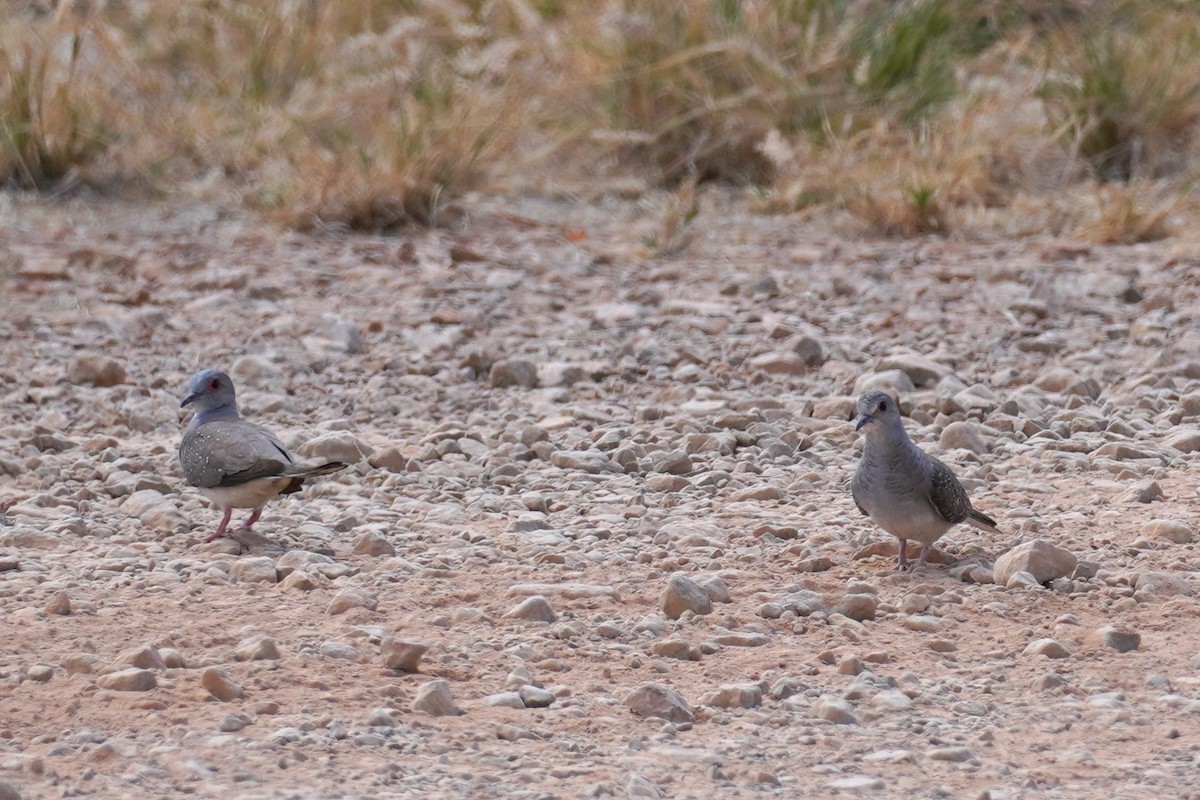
(877, 409)
(210, 390)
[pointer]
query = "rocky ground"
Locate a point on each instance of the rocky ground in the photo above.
(598, 539)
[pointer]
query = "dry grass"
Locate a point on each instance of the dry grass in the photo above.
(49, 125)
(924, 117)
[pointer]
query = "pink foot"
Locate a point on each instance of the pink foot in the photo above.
(221, 528)
(253, 518)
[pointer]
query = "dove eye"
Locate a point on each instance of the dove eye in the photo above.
(215, 384)
(883, 405)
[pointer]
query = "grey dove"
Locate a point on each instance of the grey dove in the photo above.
(905, 491)
(234, 463)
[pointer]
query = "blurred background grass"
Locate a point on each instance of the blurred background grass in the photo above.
(954, 117)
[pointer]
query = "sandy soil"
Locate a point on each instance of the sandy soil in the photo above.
(538, 406)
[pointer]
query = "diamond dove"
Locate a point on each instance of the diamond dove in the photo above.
(905, 491)
(234, 463)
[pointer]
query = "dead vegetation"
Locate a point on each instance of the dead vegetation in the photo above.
(925, 117)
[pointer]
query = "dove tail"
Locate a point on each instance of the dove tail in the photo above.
(982, 521)
(324, 469)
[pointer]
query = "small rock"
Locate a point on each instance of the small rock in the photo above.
(220, 685)
(921, 370)
(656, 700)
(342, 650)
(962, 435)
(300, 580)
(373, 543)
(513, 372)
(1046, 647)
(672, 463)
(352, 597)
(535, 609)
(1040, 558)
(504, 700)
(434, 698)
(94, 369)
(232, 723)
(40, 673)
(1144, 491)
(956, 755)
(257, 648)
(133, 679)
(590, 461)
(401, 654)
(144, 657)
(59, 605)
(734, 695)
(1122, 641)
(858, 783)
(684, 594)
(257, 569)
(535, 696)
(780, 363)
(714, 587)
(9, 792)
(857, 606)
(892, 381)
(676, 648)
(1161, 584)
(639, 786)
(336, 446)
(1172, 530)
(834, 710)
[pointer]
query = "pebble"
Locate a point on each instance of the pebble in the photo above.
(684, 594)
(657, 700)
(734, 695)
(834, 710)
(962, 435)
(1123, 641)
(535, 696)
(133, 679)
(336, 446)
(857, 606)
(1046, 647)
(59, 605)
(257, 648)
(373, 543)
(504, 700)
(1171, 530)
(434, 698)
(533, 609)
(352, 597)
(676, 648)
(342, 650)
(145, 656)
(220, 685)
(857, 783)
(513, 372)
(955, 755)
(95, 369)
(402, 655)
(8, 791)
(1044, 560)
(255, 569)
(590, 461)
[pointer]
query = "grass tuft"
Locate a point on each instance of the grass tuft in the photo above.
(47, 127)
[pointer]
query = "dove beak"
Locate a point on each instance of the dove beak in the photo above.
(863, 419)
(191, 398)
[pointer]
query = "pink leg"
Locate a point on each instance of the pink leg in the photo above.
(221, 528)
(924, 555)
(250, 520)
(902, 557)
